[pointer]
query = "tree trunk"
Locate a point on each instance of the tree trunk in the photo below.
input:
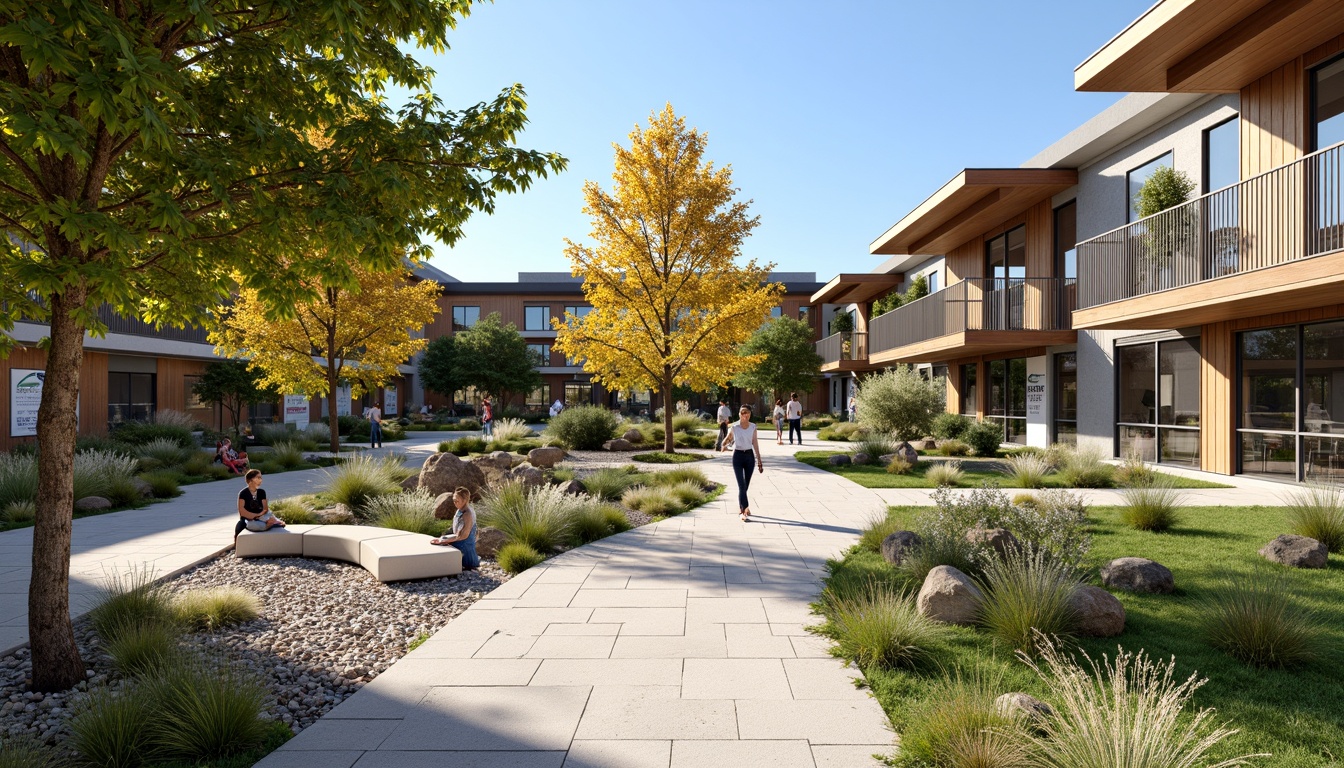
(333, 420)
(55, 657)
(669, 445)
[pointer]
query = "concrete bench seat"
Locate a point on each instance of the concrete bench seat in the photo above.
(388, 554)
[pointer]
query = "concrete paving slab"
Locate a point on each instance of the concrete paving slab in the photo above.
(630, 753)
(663, 672)
(654, 712)
(794, 753)
(734, 679)
(521, 718)
(845, 756)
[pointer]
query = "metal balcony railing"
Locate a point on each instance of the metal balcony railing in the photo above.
(1291, 213)
(978, 304)
(137, 327)
(843, 346)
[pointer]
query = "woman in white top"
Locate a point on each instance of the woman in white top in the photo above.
(746, 451)
(779, 421)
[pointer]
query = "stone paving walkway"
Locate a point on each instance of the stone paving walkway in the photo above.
(677, 644)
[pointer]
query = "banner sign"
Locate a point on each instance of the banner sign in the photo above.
(25, 395)
(390, 401)
(296, 411)
(343, 397)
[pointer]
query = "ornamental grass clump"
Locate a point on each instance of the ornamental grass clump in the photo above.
(1026, 593)
(947, 473)
(285, 454)
(19, 512)
(412, 512)
(215, 608)
(295, 510)
(652, 500)
(463, 446)
(1254, 619)
(164, 452)
(509, 430)
(130, 598)
(516, 557)
(877, 626)
(680, 475)
(1126, 712)
(357, 481)
(1027, 470)
(609, 483)
(143, 647)
(110, 729)
(204, 712)
(20, 752)
(594, 520)
(1154, 507)
(688, 493)
(1317, 512)
(163, 485)
(899, 466)
(1133, 472)
(1085, 468)
(539, 517)
(959, 725)
(954, 447)
(876, 529)
(875, 446)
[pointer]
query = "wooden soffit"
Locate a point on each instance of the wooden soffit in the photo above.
(857, 289)
(972, 203)
(970, 344)
(1209, 46)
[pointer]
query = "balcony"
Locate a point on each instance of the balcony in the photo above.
(134, 326)
(976, 316)
(1272, 243)
(846, 351)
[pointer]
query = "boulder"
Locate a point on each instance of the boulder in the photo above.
(895, 545)
(949, 596)
(488, 541)
(619, 444)
(1001, 540)
(444, 509)
(1296, 552)
(528, 475)
(886, 458)
(1097, 612)
(928, 444)
(908, 452)
(410, 483)
(497, 459)
(573, 487)
(146, 490)
(444, 472)
(337, 515)
(633, 435)
(1018, 704)
(93, 502)
(861, 458)
(545, 457)
(1138, 574)
(838, 460)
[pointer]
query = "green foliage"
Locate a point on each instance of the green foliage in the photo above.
(233, 385)
(583, 427)
(439, 370)
(286, 455)
(878, 528)
(463, 446)
(651, 500)
(842, 322)
(788, 362)
(592, 522)
(130, 598)
(954, 447)
(516, 557)
(295, 510)
(681, 475)
(1166, 188)
(1317, 512)
(162, 484)
(166, 451)
(689, 494)
(493, 357)
(919, 288)
(1155, 507)
(845, 430)
(19, 512)
(876, 446)
(608, 483)
(413, 512)
(1131, 473)
(950, 426)
(816, 422)
(947, 473)
(18, 752)
(984, 437)
(204, 712)
(659, 457)
(1085, 468)
(563, 472)
(959, 725)
(878, 627)
(510, 430)
(899, 466)
(1255, 620)
(216, 607)
(138, 433)
(1027, 593)
(112, 728)
(900, 402)
(537, 517)
(143, 647)
(99, 443)
(688, 422)
(357, 481)
(1027, 470)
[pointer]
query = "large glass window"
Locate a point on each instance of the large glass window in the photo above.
(805, 315)
(578, 312)
(541, 353)
(539, 397)
(578, 393)
(1066, 398)
(536, 318)
(1222, 155)
(1006, 255)
(932, 279)
(776, 313)
(1066, 240)
(1157, 404)
(1008, 398)
(130, 397)
(465, 317)
(968, 400)
(1135, 178)
(1327, 104)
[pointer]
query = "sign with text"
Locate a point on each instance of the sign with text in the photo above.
(1038, 401)
(343, 397)
(390, 401)
(296, 411)
(25, 395)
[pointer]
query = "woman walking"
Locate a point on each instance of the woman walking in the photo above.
(746, 450)
(779, 421)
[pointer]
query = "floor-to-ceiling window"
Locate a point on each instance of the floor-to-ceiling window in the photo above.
(1291, 402)
(1157, 401)
(130, 397)
(1136, 177)
(1008, 398)
(1006, 263)
(1066, 399)
(1327, 104)
(968, 401)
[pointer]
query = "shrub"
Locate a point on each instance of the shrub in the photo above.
(688, 494)
(680, 475)
(984, 437)
(1165, 188)
(583, 427)
(899, 466)
(651, 500)
(19, 512)
(143, 647)
(1085, 468)
(1055, 524)
(1133, 472)
(845, 430)
(688, 422)
(954, 448)
(950, 426)
(215, 608)
(166, 451)
(692, 440)
(468, 425)
(817, 422)
(122, 491)
(608, 483)
(356, 481)
(128, 599)
(1027, 593)
(1317, 512)
(270, 434)
(162, 484)
(594, 520)
(464, 445)
(99, 443)
(900, 402)
(98, 473)
(218, 472)
(1254, 620)
(959, 725)
(295, 510)
(287, 455)
(539, 518)
(511, 429)
(1151, 507)
(1124, 712)
(668, 458)
(945, 473)
(413, 512)
(516, 557)
(617, 520)
(878, 627)
(1027, 470)
(203, 713)
(137, 433)
(319, 433)
(876, 446)
(112, 728)
(879, 527)
(196, 466)
(28, 753)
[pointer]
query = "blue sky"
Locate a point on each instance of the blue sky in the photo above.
(838, 118)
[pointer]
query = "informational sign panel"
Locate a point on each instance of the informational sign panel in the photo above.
(296, 411)
(390, 401)
(1038, 402)
(25, 395)
(343, 397)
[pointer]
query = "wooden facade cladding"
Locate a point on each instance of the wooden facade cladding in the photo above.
(509, 306)
(92, 392)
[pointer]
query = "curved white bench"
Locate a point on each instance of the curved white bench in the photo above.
(388, 554)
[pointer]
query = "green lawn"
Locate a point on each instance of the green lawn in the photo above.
(976, 470)
(1298, 715)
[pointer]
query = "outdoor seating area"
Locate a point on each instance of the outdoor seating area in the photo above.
(386, 553)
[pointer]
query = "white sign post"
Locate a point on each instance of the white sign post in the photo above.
(296, 411)
(343, 398)
(390, 401)
(25, 395)
(1038, 402)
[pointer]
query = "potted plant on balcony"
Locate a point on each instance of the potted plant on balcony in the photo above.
(1166, 239)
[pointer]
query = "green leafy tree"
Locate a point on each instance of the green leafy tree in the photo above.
(900, 402)
(438, 367)
(148, 150)
(786, 358)
(494, 358)
(919, 288)
(1165, 188)
(233, 386)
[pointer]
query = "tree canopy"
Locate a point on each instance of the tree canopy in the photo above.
(671, 304)
(786, 358)
(233, 385)
(493, 357)
(149, 151)
(900, 402)
(438, 368)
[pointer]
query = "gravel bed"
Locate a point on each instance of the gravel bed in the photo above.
(588, 460)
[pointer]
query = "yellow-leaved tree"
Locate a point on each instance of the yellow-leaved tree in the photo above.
(357, 331)
(671, 304)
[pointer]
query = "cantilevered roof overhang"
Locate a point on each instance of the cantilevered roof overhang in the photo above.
(856, 288)
(975, 201)
(1208, 46)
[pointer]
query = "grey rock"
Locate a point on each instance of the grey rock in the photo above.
(1097, 613)
(1296, 552)
(927, 444)
(573, 487)
(545, 457)
(1001, 540)
(146, 490)
(528, 475)
(619, 444)
(93, 502)
(1024, 705)
(489, 540)
(1138, 574)
(896, 545)
(949, 596)
(908, 452)
(886, 458)
(410, 483)
(444, 509)
(497, 459)
(861, 458)
(633, 435)
(444, 472)
(838, 460)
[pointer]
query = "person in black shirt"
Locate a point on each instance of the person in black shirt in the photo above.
(254, 512)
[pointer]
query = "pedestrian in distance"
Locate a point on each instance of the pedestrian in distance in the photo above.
(746, 452)
(794, 411)
(724, 416)
(375, 416)
(487, 418)
(853, 408)
(556, 408)
(778, 417)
